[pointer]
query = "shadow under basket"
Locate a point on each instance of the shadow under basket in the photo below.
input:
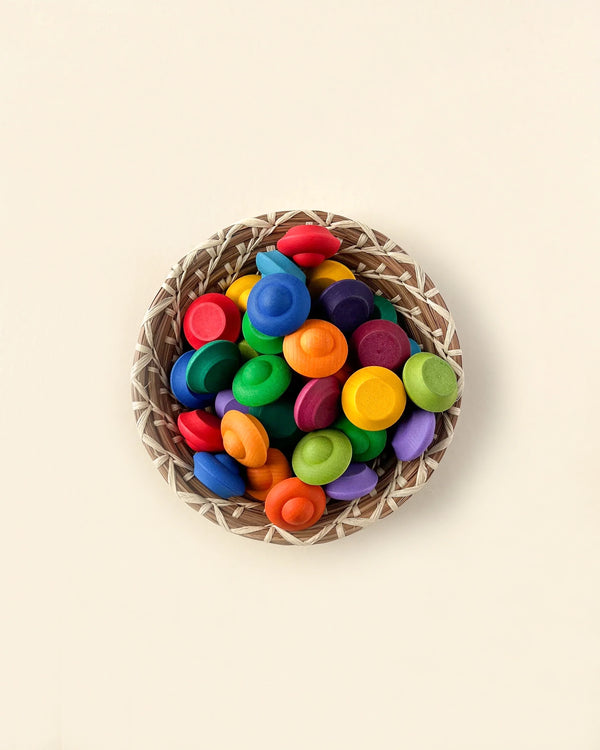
(211, 267)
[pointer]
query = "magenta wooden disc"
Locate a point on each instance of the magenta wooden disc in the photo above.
(318, 404)
(381, 343)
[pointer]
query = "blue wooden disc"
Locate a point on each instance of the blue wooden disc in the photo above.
(278, 304)
(272, 261)
(180, 388)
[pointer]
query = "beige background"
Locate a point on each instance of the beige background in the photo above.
(468, 131)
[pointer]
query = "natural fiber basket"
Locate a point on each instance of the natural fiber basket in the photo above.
(212, 266)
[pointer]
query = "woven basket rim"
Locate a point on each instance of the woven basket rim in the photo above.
(211, 266)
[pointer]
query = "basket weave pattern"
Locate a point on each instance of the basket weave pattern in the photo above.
(212, 266)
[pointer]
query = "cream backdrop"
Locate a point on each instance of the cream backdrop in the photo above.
(468, 132)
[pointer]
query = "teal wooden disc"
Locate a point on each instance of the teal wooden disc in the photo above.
(261, 380)
(430, 382)
(278, 420)
(262, 343)
(322, 456)
(383, 309)
(212, 367)
(366, 444)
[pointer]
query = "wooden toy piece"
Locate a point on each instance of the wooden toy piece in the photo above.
(244, 438)
(201, 430)
(293, 505)
(278, 304)
(430, 382)
(260, 342)
(318, 404)
(322, 456)
(343, 373)
(366, 444)
(261, 380)
(317, 349)
(382, 343)
(373, 398)
(225, 401)
(219, 473)
(308, 244)
(239, 290)
(357, 481)
(211, 369)
(246, 351)
(278, 420)
(211, 317)
(260, 479)
(414, 347)
(272, 261)
(414, 434)
(383, 309)
(326, 274)
(347, 304)
(180, 388)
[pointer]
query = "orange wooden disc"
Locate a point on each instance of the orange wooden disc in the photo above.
(262, 478)
(317, 349)
(244, 438)
(293, 505)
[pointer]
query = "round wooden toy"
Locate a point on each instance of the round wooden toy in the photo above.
(180, 389)
(318, 404)
(383, 309)
(430, 382)
(373, 398)
(278, 304)
(201, 430)
(382, 343)
(225, 401)
(343, 373)
(414, 434)
(366, 444)
(414, 347)
(317, 349)
(244, 438)
(322, 456)
(357, 481)
(211, 317)
(239, 290)
(308, 244)
(260, 479)
(326, 274)
(260, 342)
(293, 505)
(347, 304)
(219, 473)
(211, 369)
(273, 261)
(246, 351)
(261, 380)
(278, 420)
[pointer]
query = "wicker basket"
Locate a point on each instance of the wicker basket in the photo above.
(376, 260)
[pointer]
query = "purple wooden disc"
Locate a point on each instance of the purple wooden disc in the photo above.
(225, 402)
(318, 404)
(381, 343)
(358, 480)
(414, 434)
(347, 304)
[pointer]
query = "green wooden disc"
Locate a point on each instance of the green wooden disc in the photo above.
(278, 420)
(366, 444)
(430, 382)
(383, 309)
(260, 341)
(322, 456)
(261, 380)
(246, 351)
(212, 367)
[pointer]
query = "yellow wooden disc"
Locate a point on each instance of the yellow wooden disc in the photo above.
(325, 274)
(373, 398)
(239, 290)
